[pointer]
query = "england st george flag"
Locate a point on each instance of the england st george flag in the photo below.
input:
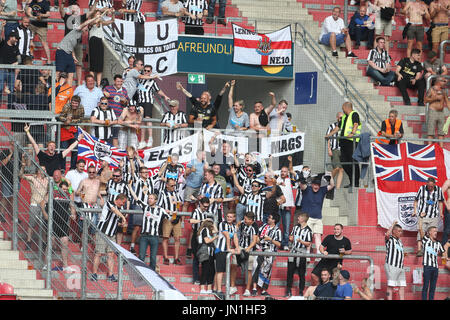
(271, 49)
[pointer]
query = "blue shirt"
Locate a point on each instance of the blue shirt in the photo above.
(89, 99)
(343, 291)
(195, 179)
(312, 202)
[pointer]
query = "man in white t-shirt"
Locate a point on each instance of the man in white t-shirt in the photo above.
(334, 33)
(173, 8)
(75, 176)
(284, 181)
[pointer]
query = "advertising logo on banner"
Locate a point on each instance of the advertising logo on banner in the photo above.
(154, 42)
(271, 49)
(400, 171)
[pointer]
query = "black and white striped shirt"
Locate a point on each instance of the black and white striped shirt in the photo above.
(272, 232)
(255, 204)
(152, 218)
(146, 90)
(394, 252)
(246, 235)
(214, 191)
(431, 249)
(135, 17)
(113, 189)
(108, 221)
(428, 202)
(143, 188)
(26, 36)
(103, 132)
(126, 168)
(334, 143)
(222, 240)
(205, 233)
(171, 172)
(88, 214)
(380, 59)
(101, 4)
(198, 214)
(168, 200)
(195, 7)
(303, 234)
(173, 135)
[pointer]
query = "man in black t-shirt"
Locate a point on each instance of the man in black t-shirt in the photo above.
(332, 244)
(410, 75)
(9, 54)
(40, 9)
(203, 111)
(274, 196)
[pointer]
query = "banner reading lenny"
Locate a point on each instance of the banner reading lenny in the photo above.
(153, 42)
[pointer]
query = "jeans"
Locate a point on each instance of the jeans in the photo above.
(7, 77)
(285, 215)
(9, 27)
(384, 78)
(361, 34)
(145, 241)
(240, 212)
(446, 226)
(91, 225)
(212, 4)
(430, 276)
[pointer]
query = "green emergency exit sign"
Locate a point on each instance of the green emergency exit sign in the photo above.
(196, 78)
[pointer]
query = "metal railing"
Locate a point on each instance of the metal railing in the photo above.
(442, 49)
(299, 255)
(43, 240)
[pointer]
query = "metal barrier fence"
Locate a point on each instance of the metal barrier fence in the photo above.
(38, 219)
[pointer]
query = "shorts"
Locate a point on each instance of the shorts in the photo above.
(101, 246)
(127, 139)
(340, 39)
(383, 25)
(148, 109)
(316, 225)
(336, 159)
(35, 215)
(40, 31)
(439, 34)
(168, 227)
(64, 62)
(138, 218)
(188, 192)
(247, 265)
(415, 32)
(221, 261)
(426, 223)
(395, 276)
(435, 120)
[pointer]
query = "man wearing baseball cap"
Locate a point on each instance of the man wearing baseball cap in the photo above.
(344, 290)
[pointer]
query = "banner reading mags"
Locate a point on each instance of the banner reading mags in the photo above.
(400, 170)
(271, 49)
(153, 42)
(279, 147)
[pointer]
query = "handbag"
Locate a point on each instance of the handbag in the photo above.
(202, 253)
(387, 13)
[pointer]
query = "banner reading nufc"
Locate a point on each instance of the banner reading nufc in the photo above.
(271, 49)
(153, 42)
(400, 171)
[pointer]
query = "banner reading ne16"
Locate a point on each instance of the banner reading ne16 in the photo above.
(153, 42)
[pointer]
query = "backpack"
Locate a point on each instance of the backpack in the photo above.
(202, 253)
(387, 13)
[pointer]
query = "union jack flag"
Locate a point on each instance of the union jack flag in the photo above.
(406, 166)
(92, 149)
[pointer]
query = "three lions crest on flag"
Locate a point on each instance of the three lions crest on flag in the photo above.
(271, 49)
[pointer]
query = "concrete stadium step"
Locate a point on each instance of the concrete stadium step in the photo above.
(27, 284)
(5, 245)
(34, 294)
(13, 264)
(6, 274)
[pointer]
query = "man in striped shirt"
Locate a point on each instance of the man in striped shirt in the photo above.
(394, 264)
(379, 68)
(26, 38)
(334, 151)
(117, 95)
(428, 204)
(131, 11)
(301, 238)
(108, 225)
(196, 10)
(212, 190)
(173, 120)
(248, 238)
(105, 116)
(432, 248)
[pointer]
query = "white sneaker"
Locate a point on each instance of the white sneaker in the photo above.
(246, 293)
(208, 291)
(142, 145)
(203, 292)
(233, 290)
(150, 142)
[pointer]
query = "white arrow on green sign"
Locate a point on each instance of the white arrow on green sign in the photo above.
(194, 78)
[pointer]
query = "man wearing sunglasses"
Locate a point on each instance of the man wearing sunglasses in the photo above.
(106, 117)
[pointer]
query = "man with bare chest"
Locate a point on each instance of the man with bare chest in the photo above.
(415, 13)
(437, 97)
(439, 13)
(130, 119)
(382, 25)
(104, 174)
(89, 191)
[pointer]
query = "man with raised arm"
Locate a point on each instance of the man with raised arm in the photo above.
(415, 13)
